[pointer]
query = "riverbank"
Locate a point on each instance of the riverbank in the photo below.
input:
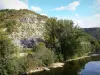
(82, 57)
(54, 65)
(58, 64)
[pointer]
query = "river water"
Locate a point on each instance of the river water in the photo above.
(86, 66)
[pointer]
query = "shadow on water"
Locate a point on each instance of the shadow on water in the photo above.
(70, 68)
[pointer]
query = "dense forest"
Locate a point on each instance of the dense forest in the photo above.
(60, 40)
(95, 32)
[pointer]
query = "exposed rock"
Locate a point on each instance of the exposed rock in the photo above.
(55, 65)
(30, 42)
(30, 26)
(23, 26)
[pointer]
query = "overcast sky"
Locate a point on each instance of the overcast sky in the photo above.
(85, 13)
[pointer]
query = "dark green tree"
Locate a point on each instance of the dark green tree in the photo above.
(8, 59)
(65, 38)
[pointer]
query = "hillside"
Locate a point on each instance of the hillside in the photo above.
(30, 41)
(25, 26)
(22, 24)
(95, 32)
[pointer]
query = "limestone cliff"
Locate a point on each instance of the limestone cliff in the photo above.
(27, 24)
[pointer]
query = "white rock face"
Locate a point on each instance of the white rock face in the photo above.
(28, 26)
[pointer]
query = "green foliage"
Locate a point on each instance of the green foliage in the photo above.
(11, 18)
(49, 34)
(10, 14)
(39, 56)
(62, 37)
(8, 60)
(93, 42)
(45, 54)
(11, 26)
(59, 57)
(22, 64)
(95, 32)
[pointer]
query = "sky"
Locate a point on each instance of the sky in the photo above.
(85, 13)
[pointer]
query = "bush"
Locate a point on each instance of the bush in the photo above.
(67, 40)
(10, 25)
(59, 58)
(8, 60)
(45, 54)
(40, 56)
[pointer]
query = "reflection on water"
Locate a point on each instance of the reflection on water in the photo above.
(86, 66)
(91, 68)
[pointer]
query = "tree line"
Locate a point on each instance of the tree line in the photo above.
(62, 39)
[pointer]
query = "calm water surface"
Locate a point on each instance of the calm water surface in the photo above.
(86, 66)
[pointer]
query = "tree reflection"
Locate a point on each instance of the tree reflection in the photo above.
(70, 68)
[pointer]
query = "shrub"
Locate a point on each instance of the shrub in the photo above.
(59, 57)
(10, 25)
(8, 60)
(45, 54)
(40, 56)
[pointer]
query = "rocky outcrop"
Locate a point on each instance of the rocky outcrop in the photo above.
(22, 24)
(28, 27)
(30, 42)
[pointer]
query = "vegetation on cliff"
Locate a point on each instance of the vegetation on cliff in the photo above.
(68, 40)
(59, 40)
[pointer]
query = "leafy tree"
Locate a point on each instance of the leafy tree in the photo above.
(68, 37)
(8, 53)
(46, 55)
(49, 35)
(63, 37)
(39, 56)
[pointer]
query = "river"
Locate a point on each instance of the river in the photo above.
(86, 66)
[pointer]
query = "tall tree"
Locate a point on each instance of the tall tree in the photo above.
(63, 36)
